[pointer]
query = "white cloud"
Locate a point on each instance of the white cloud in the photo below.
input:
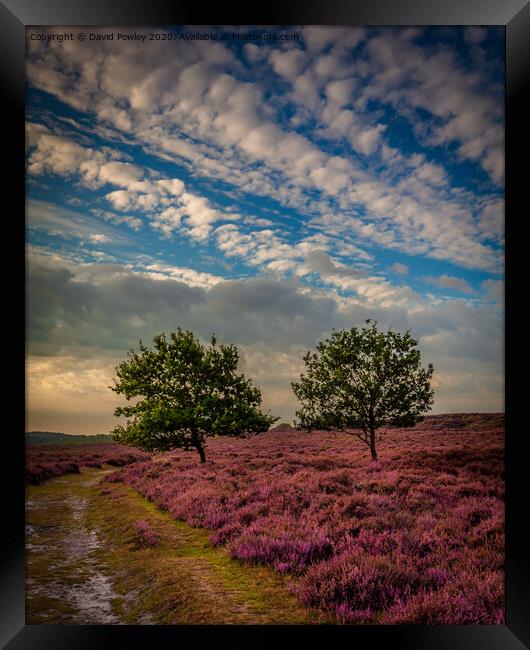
(406, 75)
(445, 281)
(367, 141)
(132, 222)
(433, 174)
(491, 220)
(287, 64)
(340, 91)
(121, 199)
(98, 238)
(120, 174)
(173, 186)
(67, 157)
(400, 269)
(253, 52)
(56, 220)
(494, 290)
(195, 93)
(319, 38)
(321, 262)
(55, 154)
(189, 276)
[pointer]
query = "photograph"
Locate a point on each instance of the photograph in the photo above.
(265, 327)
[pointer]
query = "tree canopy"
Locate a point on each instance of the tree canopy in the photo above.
(361, 379)
(187, 392)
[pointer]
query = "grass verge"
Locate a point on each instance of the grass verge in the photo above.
(180, 580)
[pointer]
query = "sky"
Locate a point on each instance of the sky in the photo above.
(269, 185)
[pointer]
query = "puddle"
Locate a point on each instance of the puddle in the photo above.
(78, 541)
(93, 600)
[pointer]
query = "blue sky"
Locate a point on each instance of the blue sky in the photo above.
(267, 192)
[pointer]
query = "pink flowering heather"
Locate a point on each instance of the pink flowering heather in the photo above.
(46, 461)
(145, 535)
(416, 537)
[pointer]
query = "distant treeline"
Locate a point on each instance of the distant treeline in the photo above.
(442, 421)
(54, 438)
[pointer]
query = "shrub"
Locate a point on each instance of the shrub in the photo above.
(145, 535)
(47, 461)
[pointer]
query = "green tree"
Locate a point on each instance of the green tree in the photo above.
(188, 392)
(359, 380)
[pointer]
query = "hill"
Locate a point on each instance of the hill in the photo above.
(54, 438)
(467, 421)
(442, 421)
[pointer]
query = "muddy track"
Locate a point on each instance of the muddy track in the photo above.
(61, 564)
(84, 564)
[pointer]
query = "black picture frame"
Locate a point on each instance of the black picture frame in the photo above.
(15, 15)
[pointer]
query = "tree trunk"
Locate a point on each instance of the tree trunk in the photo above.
(372, 444)
(200, 449)
(195, 441)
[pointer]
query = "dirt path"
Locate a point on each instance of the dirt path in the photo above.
(63, 581)
(85, 564)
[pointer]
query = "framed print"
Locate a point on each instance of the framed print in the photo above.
(272, 350)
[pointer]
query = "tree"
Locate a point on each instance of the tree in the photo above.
(188, 392)
(362, 379)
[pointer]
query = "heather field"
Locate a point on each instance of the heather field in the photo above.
(46, 461)
(416, 537)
